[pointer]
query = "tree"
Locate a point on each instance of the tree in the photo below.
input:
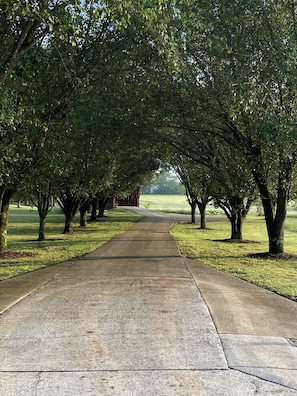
(197, 182)
(233, 187)
(66, 44)
(27, 24)
(167, 183)
(212, 170)
(44, 203)
(238, 67)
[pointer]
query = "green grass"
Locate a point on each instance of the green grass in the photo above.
(165, 203)
(208, 246)
(23, 234)
(171, 204)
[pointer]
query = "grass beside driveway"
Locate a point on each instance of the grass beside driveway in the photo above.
(31, 254)
(208, 247)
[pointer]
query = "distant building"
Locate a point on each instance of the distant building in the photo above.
(130, 200)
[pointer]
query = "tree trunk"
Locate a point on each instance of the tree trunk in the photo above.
(68, 224)
(69, 203)
(43, 206)
(276, 242)
(236, 225)
(94, 209)
(5, 196)
(69, 213)
(41, 232)
(192, 204)
(83, 217)
(83, 209)
(202, 220)
(202, 211)
(275, 224)
(26, 40)
(101, 206)
(275, 218)
(236, 211)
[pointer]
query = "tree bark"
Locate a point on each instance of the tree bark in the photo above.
(101, 206)
(83, 217)
(43, 206)
(83, 209)
(202, 210)
(236, 211)
(192, 203)
(236, 226)
(41, 231)
(275, 217)
(5, 196)
(26, 40)
(275, 224)
(68, 224)
(94, 209)
(275, 214)
(69, 203)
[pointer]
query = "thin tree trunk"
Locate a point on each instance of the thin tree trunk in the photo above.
(43, 206)
(5, 196)
(94, 209)
(83, 217)
(101, 206)
(236, 226)
(193, 211)
(41, 231)
(236, 212)
(69, 204)
(68, 224)
(202, 220)
(202, 211)
(69, 214)
(28, 37)
(83, 209)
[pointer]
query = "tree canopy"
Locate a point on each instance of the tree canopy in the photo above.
(88, 88)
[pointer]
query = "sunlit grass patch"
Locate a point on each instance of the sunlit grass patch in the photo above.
(208, 247)
(291, 224)
(165, 203)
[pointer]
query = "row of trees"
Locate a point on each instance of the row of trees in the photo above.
(234, 107)
(65, 128)
(90, 88)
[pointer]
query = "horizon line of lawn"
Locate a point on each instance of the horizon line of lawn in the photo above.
(26, 254)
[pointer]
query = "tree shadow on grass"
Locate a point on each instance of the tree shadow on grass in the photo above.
(230, 240)
(11, 254)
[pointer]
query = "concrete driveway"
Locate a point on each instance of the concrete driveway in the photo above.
(135, 318)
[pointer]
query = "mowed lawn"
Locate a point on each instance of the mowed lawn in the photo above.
(207, 246)
(27, 254)
(171, 204)
(165, 203)
(211, 248)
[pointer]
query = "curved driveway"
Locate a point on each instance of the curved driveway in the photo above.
(135, 318)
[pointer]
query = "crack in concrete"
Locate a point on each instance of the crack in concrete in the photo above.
(36, 383)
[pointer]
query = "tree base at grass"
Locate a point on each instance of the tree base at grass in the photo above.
(10, 254)
(274, 256)
(235, 240)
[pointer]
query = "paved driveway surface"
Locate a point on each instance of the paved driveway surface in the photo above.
(135, 318)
